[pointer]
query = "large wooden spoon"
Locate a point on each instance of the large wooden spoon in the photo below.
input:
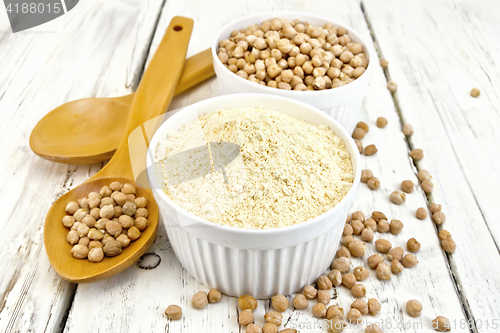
(89, 130)
(151, 100)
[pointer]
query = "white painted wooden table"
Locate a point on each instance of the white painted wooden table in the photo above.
(437, 51)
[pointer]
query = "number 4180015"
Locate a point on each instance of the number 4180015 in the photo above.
(33, 7)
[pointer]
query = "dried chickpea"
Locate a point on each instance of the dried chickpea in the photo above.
(341, 264)
(424, 175)
(68, 221)
(73, 237)
(383, 226)
(174, 312)
(358, 133)
(336, 325)
(270, 328)
(408, 129)
(94, 212)
(383, 271)
(354, 316)
(108, 201)
(118, 211)
(200, 300)
(367, 235)
(396, 227)
(247, 302)
(439, 218)
(273, 317)
(336, 277)
(246, 317)
(300, 302)
(370, 150)
(95, 244)
(72, 207)
(319, 310)
(374, 260)
(214, 296)
(381, 122)
(288, 330)
(128, 188)
(79, 251)
(112, 248)
(96, 254)
(364, 126)
(373, 328)
(417, 154)
(82, 230)
(357, 226)
(444, 234)
(398, 197)
(357, 248)
(80, 214)
(435, 208)
(280, 303)
(324, 283)
(85, 241)
(396, 253)
(346, 240)
(407, 186)
(383, 245)
(441, 324)
(449, 245)
(421, 213)
(427, 186)
(361, 273)
(361, 306)
(347, 230)
(392, 86)
(378, 216)
(413, 245)
(414, 308)
(309, 292)
(141, 212)
(116, 186)
(334, 311)
(106, 239)
(358, 290)
(107, 212)
(396, 267)
(141, 223)
(84, 203)
(124, 240)
(95, 234)
(371, 224)
(357, 72)
(374, 306)
(324, 296)
(475, 92)
(348, 280)
(253, 328)
(409, 260)
(366, 175)
(383, 63)
(113, 228)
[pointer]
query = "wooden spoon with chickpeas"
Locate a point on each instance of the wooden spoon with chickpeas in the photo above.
(151, 100)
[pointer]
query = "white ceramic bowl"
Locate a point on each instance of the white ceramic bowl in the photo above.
(342, 103)
(238, 261)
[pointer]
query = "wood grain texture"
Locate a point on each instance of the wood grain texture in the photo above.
(437, 52)
(97, 49)
(146, 294)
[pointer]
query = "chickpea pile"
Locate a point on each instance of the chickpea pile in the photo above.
(296, 55)
(104, 223)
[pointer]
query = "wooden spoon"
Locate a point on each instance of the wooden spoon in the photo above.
(88, 130)
(151, 100)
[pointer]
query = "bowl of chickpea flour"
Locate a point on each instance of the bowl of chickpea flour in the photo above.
(247, 230)
(302, 56)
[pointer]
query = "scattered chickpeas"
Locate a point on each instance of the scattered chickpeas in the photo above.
(435, 207)
(409, 260)
(319, 310)
(174, 312)
(247, 302)
(417, 154)
(288, 330)
(374, 260)
(370, 150)
(324, 296)
(427, 186)
(441, 324)
(383, 245)
(371, 224)
(396, 253)
(336, 325)
(347, 239)
(280, 303)
(383, 271)
(421, 213)
(383, 226)
(374, 306)
(273, 317)
(413, 245)
(358, 290)
(253, 328)
(295, 47)
(475, 92)
(359, 215)
(424, 175)
(414, 308)
(373, 328)
(392, 86)
(347, 230)
(246, 317)
(366, 175)
(364, 126)
(324, 283)
(200, 300)
(407, 186)
(449, 245)
(382, 122)
(367, 234)
(334, 311)
(357, 227)
(398, 197)
(349, 280)
(270, 328)
(383, 63)
(354, 316)
(341, 264)
(439, 217)
(373, 183)
(300, 302)
(378, 216)
(343, 252)
(408, 129)
(357, 248)
(358, 133)
(309, 292)
(396, 267)
(214, 296)
(396, 227)
(361, 306)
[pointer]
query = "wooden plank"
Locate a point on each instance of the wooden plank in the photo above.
(99, 49)
(436, 62)
(145, 294)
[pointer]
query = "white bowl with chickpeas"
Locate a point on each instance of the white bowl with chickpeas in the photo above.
(307, 57)
(258, 262)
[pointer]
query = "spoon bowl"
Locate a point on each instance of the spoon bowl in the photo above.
(150, 101)
(82, 270)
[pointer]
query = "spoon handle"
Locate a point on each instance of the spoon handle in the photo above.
(151, 100)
